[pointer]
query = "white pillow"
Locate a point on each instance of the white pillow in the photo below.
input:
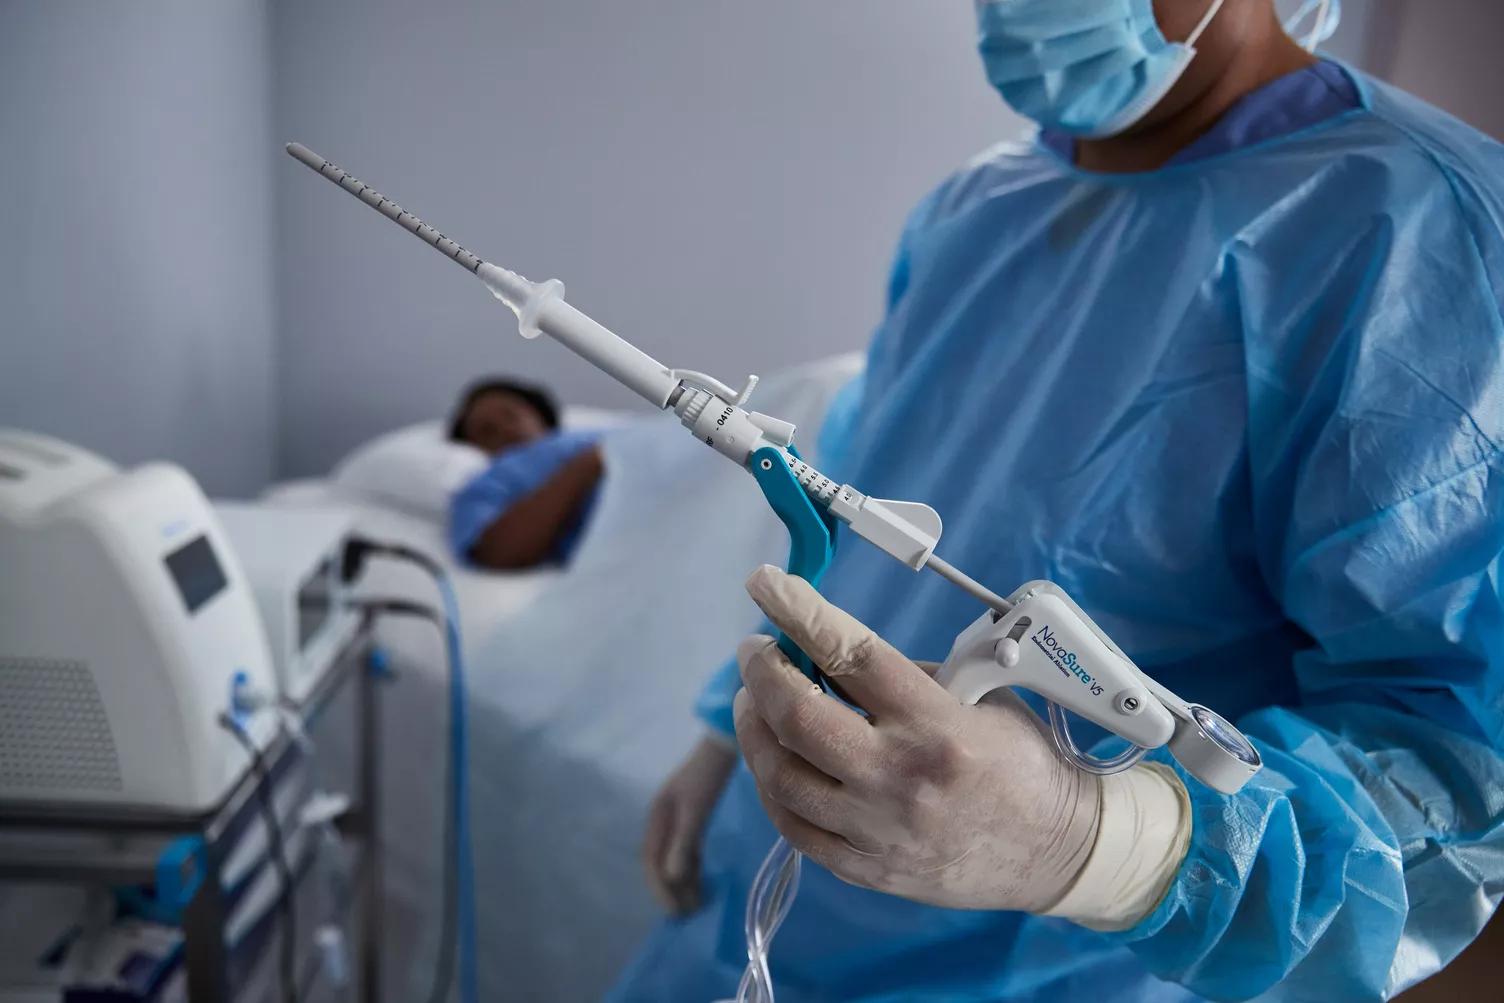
(415, 469)
(576, 417)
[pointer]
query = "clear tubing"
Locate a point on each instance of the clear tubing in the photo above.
(771, 897)
(1089, 764)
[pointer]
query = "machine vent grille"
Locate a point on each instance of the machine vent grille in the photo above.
(54, 734)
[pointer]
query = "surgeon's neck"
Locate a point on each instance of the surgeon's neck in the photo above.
(1230, 64)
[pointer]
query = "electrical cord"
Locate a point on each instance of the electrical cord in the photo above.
(358, 548)
(357, 551)
(278, 852)
(401, 607)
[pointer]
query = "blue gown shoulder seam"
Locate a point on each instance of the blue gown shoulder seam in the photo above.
(1354, 528)
(1428, 152)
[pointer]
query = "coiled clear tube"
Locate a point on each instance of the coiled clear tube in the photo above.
(772, 895)
(1089, 764)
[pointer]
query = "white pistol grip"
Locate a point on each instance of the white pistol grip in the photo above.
(1042, 646)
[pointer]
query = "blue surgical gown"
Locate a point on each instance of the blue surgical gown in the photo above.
(1248, 410)
(513, 475)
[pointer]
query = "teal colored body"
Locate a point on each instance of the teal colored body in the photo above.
(812, 533)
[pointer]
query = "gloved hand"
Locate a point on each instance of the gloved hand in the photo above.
(676, 823)
(955, 806)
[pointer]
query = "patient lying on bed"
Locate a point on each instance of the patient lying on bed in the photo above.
(530, 506)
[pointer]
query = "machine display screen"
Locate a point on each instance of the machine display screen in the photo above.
(197, 572)
(314, 604)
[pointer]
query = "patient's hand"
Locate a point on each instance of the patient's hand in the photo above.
(676, 823)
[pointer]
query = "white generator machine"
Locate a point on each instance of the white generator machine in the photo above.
(125, 624)
(292, 559)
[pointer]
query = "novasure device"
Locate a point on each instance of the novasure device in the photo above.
(126, 631)
(811, 505)
(1038, 638)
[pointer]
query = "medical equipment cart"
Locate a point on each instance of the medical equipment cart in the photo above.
(75, 845)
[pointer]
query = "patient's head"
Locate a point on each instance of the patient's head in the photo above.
(498, 414)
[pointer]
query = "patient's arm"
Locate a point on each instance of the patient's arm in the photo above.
(526, 533)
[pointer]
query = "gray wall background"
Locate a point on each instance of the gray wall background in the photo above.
(1446, 51)
(722, 183)
(136, 296)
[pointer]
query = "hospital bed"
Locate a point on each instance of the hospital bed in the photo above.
(581, 690)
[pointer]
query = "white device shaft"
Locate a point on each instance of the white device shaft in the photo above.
(541, 309)
(634, 369)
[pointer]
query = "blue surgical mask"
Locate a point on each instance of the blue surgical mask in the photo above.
(1090, 68)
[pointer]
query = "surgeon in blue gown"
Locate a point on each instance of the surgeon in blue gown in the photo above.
(1219, 350)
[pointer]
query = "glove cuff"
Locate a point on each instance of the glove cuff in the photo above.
(1143, 834)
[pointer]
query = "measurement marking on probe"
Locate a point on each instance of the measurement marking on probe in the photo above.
(445, 245)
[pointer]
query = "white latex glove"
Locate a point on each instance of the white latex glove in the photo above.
(676, 823)
(955, 806)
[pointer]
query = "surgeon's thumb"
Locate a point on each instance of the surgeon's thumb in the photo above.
(827, 634)
(882, 680)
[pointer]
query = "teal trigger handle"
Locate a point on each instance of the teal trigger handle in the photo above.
(812, 533)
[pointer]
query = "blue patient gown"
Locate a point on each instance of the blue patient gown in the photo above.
(512, 476)
(1248, 410)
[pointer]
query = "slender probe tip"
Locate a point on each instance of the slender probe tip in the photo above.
(303, 153)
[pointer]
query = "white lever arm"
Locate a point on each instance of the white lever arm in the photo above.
(907, 530)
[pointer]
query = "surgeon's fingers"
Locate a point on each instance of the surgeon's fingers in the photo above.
(830, 850)
(878, 677)
(831, 736)
(788, 779)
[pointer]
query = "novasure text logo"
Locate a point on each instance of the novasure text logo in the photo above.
(1065, 661)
